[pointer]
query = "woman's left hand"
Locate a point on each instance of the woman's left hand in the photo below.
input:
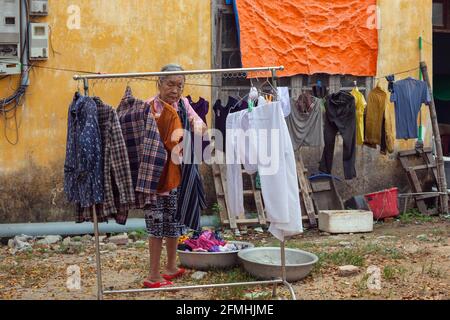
(198, 126)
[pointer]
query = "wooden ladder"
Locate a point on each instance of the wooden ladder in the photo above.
(305, 192)
(427, 163)
(220, 182)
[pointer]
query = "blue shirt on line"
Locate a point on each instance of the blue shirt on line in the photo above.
(408, 96)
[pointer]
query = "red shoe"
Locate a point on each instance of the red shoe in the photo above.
(178, 274)
(156, 285)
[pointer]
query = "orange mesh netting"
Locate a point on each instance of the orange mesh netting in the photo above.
(310, 36)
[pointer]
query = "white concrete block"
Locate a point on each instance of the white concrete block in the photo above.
(346, 221)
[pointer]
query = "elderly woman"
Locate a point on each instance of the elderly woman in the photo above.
(167, 107)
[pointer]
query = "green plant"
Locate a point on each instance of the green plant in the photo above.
(216, 208)
(361, 285)
(228, 276)
(393, 272)
(432, 271)
(414, 215)
(141, 233)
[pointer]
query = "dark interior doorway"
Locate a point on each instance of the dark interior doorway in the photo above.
(441, 67)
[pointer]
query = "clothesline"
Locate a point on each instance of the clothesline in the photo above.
(397, 73)
(190, 84)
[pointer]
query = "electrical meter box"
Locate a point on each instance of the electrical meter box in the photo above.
(9, 37)
(38, 41)
(38, 7)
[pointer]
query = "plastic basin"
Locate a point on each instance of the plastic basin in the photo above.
(265, 263)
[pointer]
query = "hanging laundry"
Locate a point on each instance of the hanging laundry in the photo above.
(361, 103)
(171, 133)
(241, 142)
(340, 117)
(201, 107)
(319, 91)
(83, 167)
(304, 103)
(306, 128)
(408, 96)
(116, 170)
(390, 79)
(191, 195)
(221, 114)
(283, 96)
(273, 158)
(379, 128)
(146, 152)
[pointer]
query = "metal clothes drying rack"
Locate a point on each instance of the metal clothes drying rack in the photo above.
(241, 72)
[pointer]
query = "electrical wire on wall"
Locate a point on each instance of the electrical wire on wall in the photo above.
(10, 104)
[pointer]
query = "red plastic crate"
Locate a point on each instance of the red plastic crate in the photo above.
(383, 204)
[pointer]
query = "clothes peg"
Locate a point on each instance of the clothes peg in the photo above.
(252, 97)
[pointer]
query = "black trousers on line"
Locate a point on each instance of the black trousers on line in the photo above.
(340, 117)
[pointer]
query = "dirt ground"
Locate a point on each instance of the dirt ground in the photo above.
(412, 257)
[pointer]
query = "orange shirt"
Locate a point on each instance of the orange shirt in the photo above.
(168, 121)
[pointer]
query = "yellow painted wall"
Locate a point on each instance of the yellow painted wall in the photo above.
(402, 23)
(114, 36)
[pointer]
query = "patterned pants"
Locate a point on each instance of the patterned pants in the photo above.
(160, 217)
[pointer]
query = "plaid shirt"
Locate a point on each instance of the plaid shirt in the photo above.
(146, 151)
(117, 174)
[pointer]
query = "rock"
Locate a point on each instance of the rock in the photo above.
(19, 246)
(66, 241)
(42, 242)
(140, 243)
(11, 243)
(76, 238)
(111, 246)
(422, 237)
(133, 235)
(346, 271)
(24, 238)
(75, 244)
(325, 234)
(259, 230)
(50, 240)
(345, 244)
(198, 275)
(121, 239)
(86, 238)
(130, 241)
(386, 237)
(257, 295)
(411, 248)
(102, 238)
